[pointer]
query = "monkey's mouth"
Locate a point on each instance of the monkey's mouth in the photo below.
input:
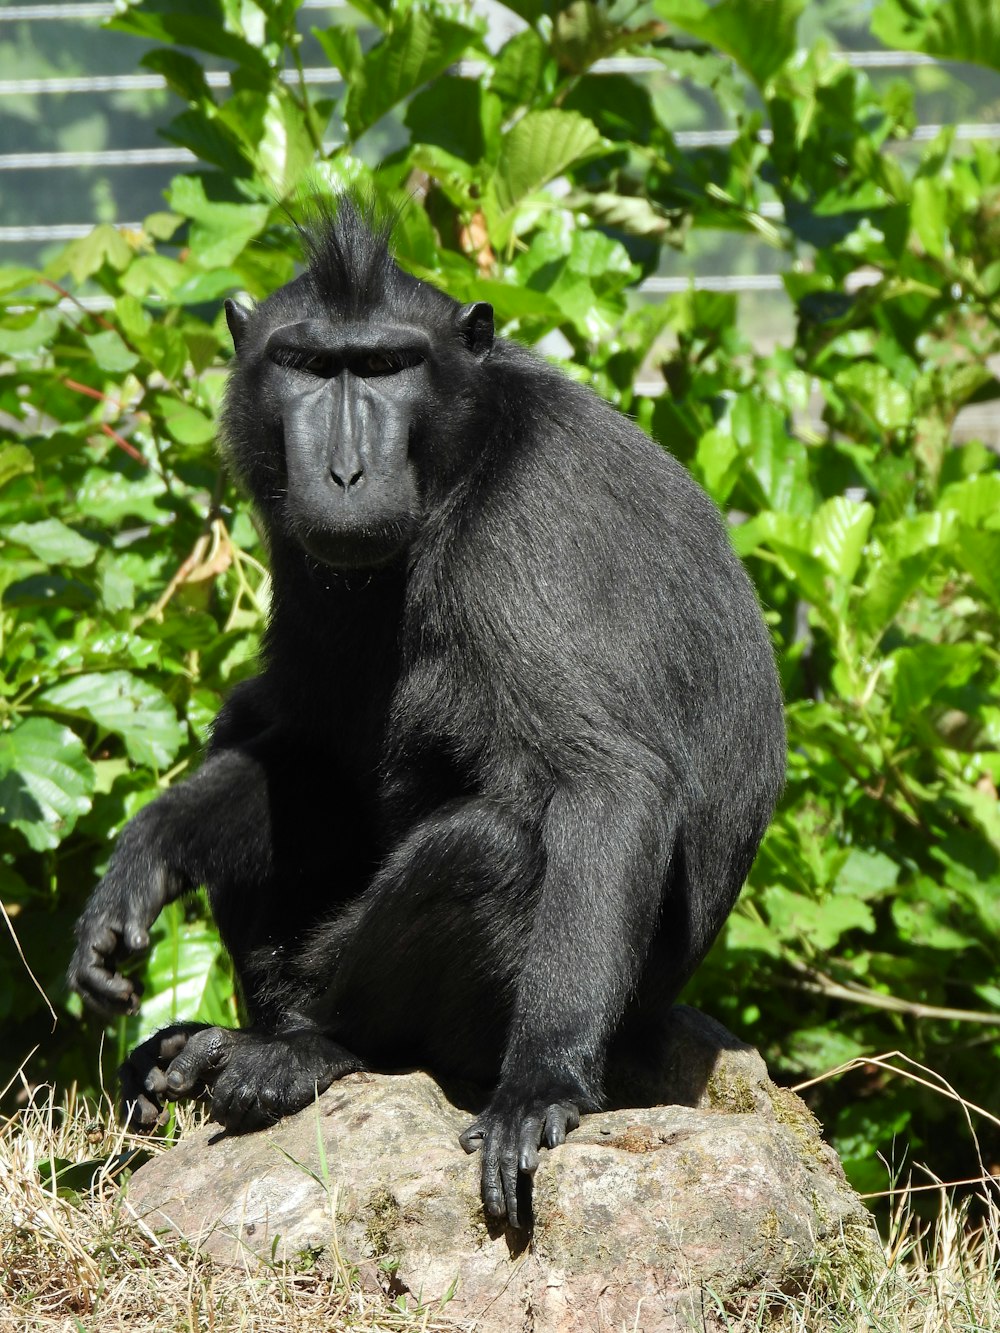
(358, 545)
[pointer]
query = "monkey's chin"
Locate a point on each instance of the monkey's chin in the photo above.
(357, 549)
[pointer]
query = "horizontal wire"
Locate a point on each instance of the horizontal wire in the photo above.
(658, 286)
(103, 83)
(92, 9)
(129, 83)
(151, 157)
(72, 231)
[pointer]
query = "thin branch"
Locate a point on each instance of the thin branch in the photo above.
(940, 1185)
(68, 296)
(123, 444)
(819, 983)
(20, 954)
(942, 1087)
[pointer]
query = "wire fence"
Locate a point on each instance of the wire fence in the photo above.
(324, 76)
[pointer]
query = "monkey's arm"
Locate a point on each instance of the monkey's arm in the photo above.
(170, 846)
(173, 845)
(607, 847)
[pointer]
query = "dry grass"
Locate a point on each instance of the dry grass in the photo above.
(73, 1258)
(77, 1260)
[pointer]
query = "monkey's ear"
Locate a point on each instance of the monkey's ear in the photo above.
(237, 317)
(475, 324)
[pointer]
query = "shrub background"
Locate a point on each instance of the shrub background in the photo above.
(134, 585)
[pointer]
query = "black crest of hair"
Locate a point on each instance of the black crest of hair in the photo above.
(347, 244)
(514, 741)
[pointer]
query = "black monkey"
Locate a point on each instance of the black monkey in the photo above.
(516, 739)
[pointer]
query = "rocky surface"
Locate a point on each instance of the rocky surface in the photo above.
(649, 1219)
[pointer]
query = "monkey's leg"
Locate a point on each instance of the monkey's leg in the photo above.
(404, 974)
(421, 967)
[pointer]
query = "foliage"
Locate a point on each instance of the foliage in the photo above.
(133, 583)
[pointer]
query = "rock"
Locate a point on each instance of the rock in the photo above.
(645, 1219)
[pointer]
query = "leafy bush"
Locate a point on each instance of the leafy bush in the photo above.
(134, 584)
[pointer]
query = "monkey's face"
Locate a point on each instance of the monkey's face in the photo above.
(363, 418)
(349, 399)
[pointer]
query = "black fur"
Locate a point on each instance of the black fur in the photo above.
(515, 742)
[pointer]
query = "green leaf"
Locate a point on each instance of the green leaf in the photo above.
(840, 529)
(221, 232)
(110, 497)
(87, 256)
(966, 30)
(456, 115)
(198, 24)
(46, 781)
(186, 424)
(878, 393)
(110, 352)
(778, 461)
(906, 553)
(29, 333)
(584, 32)
(419, 49)
(920, 673)
(718, 462)
(183, 74)
(128, 706)
(186, 976)
(819, 924)
(980, 554)
(760, 35)
(541, 146)
(518, 68)
(975, 500)
(866, 874)
(933, 916)
(14, 278)
(117, 589)
(52, 541)
(342, 48)
(15, 461)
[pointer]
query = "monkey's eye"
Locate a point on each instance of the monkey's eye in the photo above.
(322, 364)
(368, 365)
(376, 364)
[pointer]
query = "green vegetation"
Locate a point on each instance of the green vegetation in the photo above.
(134, 585)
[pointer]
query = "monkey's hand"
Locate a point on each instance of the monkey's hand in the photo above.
(143, 1076)
(250, 1078)
(510, 1132)
(114, 926)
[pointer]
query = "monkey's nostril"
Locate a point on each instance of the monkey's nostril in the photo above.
(352, 480)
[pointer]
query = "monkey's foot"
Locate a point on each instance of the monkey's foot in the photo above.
(510, 1132)
(250, 1078)
(143, 1076)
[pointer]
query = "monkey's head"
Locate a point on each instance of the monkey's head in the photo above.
(353, 396)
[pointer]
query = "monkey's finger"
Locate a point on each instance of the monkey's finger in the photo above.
(136, 937)
(559, 1121)
(155, 1081)
(106, 991)
(141, 1110)
(508, 1175)
(527, 1148)
(472, 1138)
(202, 1057)
(141, 1113)
(492, 1188)
(173, 1042)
